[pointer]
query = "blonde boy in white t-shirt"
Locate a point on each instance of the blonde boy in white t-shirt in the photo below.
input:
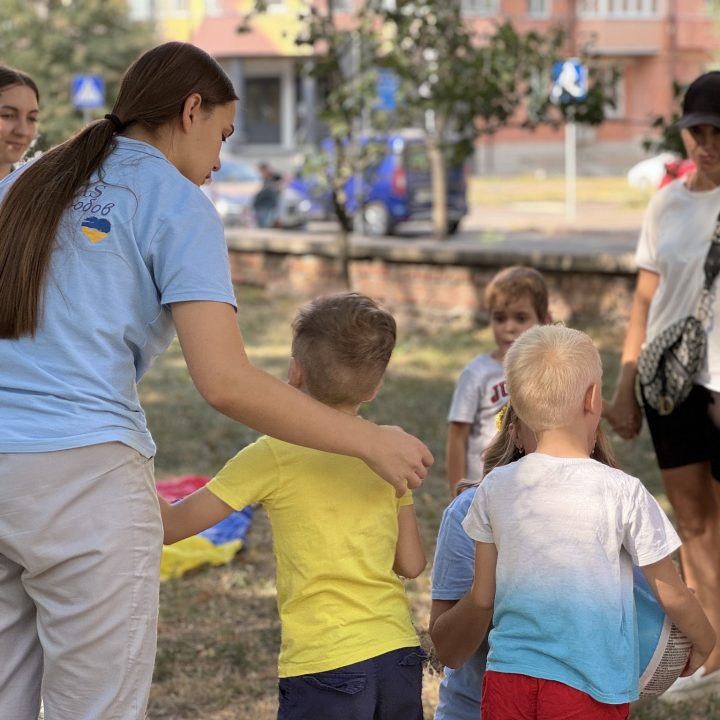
(516, 299)
(557, 535)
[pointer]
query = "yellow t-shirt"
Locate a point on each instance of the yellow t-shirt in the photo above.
(334, 526)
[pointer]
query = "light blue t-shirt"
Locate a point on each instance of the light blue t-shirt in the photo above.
(452, 575)
(567, 532)
(134, 242)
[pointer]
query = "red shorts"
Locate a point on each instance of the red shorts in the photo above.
(506, 696)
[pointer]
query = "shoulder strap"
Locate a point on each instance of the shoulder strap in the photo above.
(712, 260)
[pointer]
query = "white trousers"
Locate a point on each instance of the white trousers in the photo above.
(80, 544)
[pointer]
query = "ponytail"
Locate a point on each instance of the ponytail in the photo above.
(151, 95)
(29, 218)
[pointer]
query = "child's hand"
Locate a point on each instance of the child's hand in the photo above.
(695, 661)
(624, 415)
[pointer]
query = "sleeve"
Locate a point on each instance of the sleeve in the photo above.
(649, 536)
(646, 252)
(188, 256)
(406, 499)
(464, 405)
(454, 564)
(477, 520)
(251, 476)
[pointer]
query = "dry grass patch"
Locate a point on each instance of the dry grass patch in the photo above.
(219, 631)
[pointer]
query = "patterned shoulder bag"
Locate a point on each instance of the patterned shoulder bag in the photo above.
(669, 364)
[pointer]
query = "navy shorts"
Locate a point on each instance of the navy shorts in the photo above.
(386, 687)
(688, 435)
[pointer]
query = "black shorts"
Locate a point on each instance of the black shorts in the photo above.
(688, 435)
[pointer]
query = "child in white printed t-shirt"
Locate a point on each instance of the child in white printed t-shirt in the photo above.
(557, 534)
(516, 298)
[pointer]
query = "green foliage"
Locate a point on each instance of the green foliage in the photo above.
(453, 83)
(667, 134)
(53, 40)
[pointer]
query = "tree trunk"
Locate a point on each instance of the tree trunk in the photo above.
(439, 191)
(343, 240)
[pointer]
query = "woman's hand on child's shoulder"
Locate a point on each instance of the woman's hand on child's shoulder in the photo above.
(399, 458)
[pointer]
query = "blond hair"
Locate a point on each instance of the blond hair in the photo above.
(548, 371)
(515, 282)
(343, 343)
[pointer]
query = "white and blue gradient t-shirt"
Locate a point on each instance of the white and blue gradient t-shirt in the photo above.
(137, 240)
(567, 533)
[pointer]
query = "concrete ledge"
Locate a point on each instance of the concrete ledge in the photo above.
(598, 252)
(431, 283)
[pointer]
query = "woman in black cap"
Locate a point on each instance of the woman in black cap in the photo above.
(674, 242)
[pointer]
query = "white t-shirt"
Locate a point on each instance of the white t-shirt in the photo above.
(674, 242)
(567, 533)
(479, 393)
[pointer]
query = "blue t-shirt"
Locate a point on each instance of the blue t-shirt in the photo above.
(138, 239)
(452, 575)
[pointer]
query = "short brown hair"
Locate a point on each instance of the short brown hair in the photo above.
(516, 281)
(343, 343)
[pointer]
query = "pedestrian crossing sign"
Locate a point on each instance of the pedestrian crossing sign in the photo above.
(88, 91)
(569, 82)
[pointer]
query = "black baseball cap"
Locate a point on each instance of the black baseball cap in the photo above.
(701, 104)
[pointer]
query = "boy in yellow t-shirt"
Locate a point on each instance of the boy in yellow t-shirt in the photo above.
(340, 536)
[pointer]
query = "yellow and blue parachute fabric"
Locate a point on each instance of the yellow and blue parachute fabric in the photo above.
(217, 545)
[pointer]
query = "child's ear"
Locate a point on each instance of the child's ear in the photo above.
(593, 399)
(295, 373)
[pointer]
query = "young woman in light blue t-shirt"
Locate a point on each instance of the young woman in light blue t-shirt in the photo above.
(107, 248)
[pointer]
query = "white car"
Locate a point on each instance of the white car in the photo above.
(233, 187)
(647, 174)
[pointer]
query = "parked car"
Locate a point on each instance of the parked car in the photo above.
(396, 188)
(650, 172)
(234, 186)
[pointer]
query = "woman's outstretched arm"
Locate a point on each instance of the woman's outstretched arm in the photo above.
(221, 371)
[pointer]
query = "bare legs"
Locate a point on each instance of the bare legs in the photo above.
(695, 498)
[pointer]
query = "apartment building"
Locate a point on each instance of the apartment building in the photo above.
(651, 42)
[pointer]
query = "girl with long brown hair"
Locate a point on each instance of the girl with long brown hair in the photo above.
(107, 248)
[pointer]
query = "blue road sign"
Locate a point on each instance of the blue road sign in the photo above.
(569, 80)
(387, 86)
(88, 92)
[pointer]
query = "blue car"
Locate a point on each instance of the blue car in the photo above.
(396, 188)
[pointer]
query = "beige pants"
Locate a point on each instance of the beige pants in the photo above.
(80, 544)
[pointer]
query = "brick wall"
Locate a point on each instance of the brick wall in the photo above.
(432, 293)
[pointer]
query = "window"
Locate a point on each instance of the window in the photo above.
(620, 8)
(479, 7)
(262, 110)
(538, 8)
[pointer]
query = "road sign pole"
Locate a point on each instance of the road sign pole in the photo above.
(87, 116)
(570, 168)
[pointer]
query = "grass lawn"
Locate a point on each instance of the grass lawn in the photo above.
(219, 633)
(500, 190)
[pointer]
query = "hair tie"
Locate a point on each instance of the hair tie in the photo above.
(118, 124)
